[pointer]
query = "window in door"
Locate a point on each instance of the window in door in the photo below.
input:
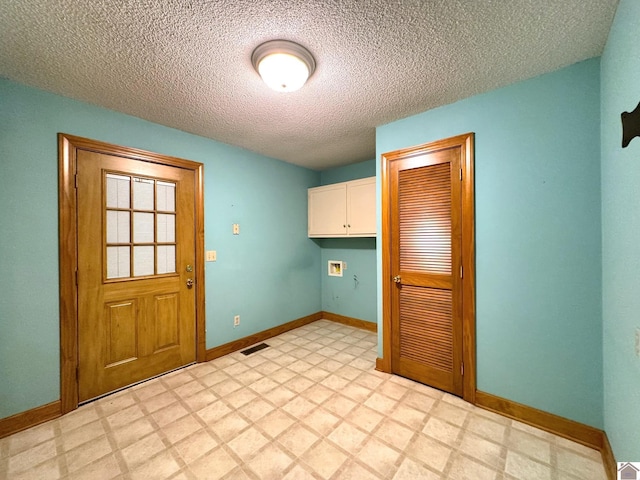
(140, 238)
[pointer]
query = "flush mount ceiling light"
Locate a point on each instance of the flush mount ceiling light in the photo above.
(283, 65)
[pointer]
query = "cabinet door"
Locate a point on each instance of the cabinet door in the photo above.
(361, 207)
(328, 211)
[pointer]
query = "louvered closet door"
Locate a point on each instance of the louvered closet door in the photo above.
(426, 242)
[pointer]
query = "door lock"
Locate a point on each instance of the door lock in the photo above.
(397, 279)
(189, 282)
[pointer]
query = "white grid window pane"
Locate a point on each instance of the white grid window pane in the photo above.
(166, 197)
(118, 192)
(142, 227)
(166, 228)
(143, 194)
(118, 262)
(166, 259)
(118, 227)
(143, 261)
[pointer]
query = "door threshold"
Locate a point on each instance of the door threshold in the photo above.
(135, 384)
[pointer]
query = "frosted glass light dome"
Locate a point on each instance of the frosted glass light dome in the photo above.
(284, 66)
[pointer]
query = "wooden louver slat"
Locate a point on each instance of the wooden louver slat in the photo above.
(425, 219)
(426, 329)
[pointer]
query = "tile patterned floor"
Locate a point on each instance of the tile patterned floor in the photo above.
(309, 407)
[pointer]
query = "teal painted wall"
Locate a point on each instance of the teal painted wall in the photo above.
(354, 171)
(620, 72)
(346, 295)
(268, 274)
(538, 248)
(353, 294)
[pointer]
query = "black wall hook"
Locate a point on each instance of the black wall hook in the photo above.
(630, 125)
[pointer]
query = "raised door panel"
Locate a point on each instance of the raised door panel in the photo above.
(328, 211)
(167, 321)
(121, 328)
(361, 207)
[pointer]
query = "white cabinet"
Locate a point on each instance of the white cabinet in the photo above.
(361, 207)
(328, 211)
(346, 209)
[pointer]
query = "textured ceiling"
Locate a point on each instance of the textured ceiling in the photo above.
(187, 63)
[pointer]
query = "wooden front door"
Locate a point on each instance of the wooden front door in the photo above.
(424, 263)
(136, 271)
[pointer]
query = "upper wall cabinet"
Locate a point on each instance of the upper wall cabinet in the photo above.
(346, 209)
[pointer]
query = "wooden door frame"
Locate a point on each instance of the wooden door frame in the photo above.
(68, 145)
(465, 142)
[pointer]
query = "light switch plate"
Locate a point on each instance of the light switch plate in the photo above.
(236, 229)
(211, 255)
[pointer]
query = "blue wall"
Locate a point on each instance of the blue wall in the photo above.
(538, 249)
(354, 171)
(268, 274)
(346, 295)
(620, 74)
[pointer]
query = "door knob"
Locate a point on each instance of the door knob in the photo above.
(189, 282)
(397, 279)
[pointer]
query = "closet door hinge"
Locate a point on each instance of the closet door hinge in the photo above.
(461, 273)
(462, 369)
(75, 180)
(460, 174)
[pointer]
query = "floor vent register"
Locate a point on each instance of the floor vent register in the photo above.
(254, 349)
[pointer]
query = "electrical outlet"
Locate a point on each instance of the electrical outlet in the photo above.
(236, 320)
(211, 255)
(637, 342)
